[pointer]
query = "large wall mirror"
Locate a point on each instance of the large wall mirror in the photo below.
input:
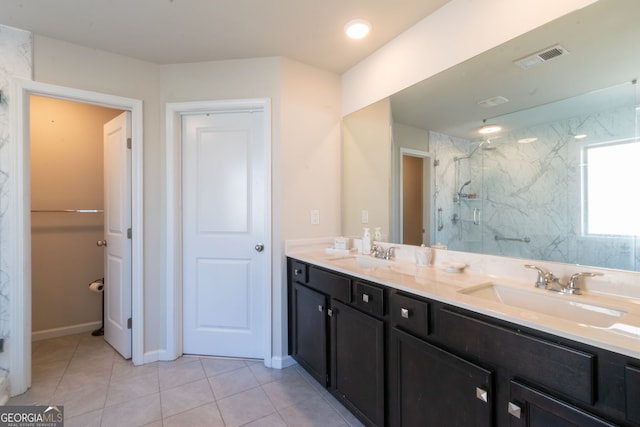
(558, 181)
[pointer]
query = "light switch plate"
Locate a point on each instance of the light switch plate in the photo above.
(315, 217)
(365, 216)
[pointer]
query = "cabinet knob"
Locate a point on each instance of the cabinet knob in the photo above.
(404, 312)
(330, 312)
(482, 394)
(320, 308)
(297, 272)
(365, 297)
(514, 410)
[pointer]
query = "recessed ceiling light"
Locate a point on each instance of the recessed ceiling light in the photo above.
(580, 136)
(490, 129)
(527, 140)
(357, 28)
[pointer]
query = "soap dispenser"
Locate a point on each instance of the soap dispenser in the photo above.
(377, 235)
(366, 242)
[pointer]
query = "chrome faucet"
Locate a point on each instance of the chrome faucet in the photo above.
(541, 282)
(547, 280)
(379, 252)
(389, 253)
(572, 286)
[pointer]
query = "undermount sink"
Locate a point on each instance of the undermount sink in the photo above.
(368, 261)
(549, 303)
(378, 264)
(364, 261)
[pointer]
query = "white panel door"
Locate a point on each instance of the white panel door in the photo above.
(117, 220)
(225, 220)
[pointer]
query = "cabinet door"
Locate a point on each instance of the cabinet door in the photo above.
(532, 408)
(309, 334)
(357, 364)
(431, 387)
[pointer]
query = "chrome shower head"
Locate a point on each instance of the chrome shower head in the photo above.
(463, 185)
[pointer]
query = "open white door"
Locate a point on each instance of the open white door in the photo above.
(117, 237)
(225, 178)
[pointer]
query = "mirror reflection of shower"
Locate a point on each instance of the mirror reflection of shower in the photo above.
(462, 188)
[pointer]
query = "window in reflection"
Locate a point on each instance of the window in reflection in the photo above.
(611, 204)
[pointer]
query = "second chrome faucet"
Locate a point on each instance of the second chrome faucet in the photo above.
(547, 280)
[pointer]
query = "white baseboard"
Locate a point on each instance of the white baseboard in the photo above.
(66, 330)
(154, 356)
(278, 362)
(4, 389)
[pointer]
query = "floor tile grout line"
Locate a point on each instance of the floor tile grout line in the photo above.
(263, 380)
(64, 372)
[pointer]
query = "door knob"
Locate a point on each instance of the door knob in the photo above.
(259, 247)
(101, 243)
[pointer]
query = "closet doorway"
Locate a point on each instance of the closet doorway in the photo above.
(415, 197)
(21, 216)
(67, 215)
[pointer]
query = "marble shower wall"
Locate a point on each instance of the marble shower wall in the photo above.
(15, 62)
(528, 190)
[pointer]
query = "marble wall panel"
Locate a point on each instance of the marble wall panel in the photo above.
(15, 62)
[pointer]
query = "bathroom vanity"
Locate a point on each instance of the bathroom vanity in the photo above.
(401, 345)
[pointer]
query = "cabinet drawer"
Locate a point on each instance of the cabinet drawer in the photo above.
(369, 298)
(549, 364)
(336, 285)
(632, 391)
(531, 407)
(410, 314)
(299, 272)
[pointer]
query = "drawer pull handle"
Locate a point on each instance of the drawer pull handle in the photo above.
(514, 410)
(365, 297)
(297, 272)
(404, 312)
(482, 394)
(320, 308)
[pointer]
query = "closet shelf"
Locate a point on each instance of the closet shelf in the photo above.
(68, 210)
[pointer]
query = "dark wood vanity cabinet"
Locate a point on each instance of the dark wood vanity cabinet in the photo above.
(333, 336)
(397, 359)
(309, 331)
(357, 362)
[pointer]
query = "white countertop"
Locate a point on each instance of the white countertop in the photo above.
(435, 283)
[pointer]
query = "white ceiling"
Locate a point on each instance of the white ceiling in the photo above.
(182, 31)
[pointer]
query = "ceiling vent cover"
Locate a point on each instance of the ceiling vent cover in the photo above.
(540, 57)
(493, 101)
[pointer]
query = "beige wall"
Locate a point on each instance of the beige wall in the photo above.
(306, 168)
(66, 173)
(367, 168)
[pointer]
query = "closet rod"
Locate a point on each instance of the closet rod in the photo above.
(68, 210)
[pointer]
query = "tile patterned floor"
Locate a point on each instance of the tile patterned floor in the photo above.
(99, 388)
